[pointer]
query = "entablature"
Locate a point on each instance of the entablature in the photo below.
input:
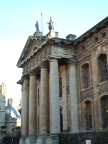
(45, 54)
(102, 43)
(46, 43)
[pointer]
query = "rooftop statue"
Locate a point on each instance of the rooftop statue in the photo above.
(50, 27)
(37, 26)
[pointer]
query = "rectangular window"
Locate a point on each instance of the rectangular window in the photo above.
(83, 47)
(87, 78)
(104, 35)
(104, 69)
(68, 84)
(96, 39)
(38, 124)
(60, 86)
(38, 96)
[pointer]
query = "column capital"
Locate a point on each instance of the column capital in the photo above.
(44, 65)
(25, 77)
(72, 62)
(53, 60)
(33, 73)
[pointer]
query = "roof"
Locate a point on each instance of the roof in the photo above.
(57, 40)
(12, 112)
(91, 31)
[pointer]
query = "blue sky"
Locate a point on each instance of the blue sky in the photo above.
(17, 22)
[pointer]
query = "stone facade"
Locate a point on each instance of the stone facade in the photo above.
(64, 84)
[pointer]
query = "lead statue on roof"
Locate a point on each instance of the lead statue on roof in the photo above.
(50, 27)
(37, 26)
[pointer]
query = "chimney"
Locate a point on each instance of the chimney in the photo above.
(71, 37)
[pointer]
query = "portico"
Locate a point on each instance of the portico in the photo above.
(42, 60)
(64, 84)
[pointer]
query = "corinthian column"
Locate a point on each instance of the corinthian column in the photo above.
(44, 101)
(73, 97)
(32, 105)
(54, 98)
(25, 106)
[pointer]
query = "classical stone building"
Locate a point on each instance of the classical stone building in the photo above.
(64, 84)
(10, 119)
(2, 117)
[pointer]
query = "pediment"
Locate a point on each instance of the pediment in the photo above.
(31, 44)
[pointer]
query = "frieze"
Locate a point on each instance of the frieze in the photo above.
(35, 61)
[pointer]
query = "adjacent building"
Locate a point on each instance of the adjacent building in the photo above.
(2, 117)
(10, 119)
(64, 83)
(3, 89)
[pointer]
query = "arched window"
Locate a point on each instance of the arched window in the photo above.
(61, 119)
(85, 76)
(38, 124)
(87, 115)
(102, 68)
(104, 111)
(38, 96)
(60, 86)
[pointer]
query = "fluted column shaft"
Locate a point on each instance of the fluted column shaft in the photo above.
(33, 104)
(25, 106)
(44, 101)
(54, 98)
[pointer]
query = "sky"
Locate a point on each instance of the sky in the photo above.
(17, 23)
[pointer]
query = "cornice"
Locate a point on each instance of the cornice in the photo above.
(53, 41)
(91, 48)
(91, 31)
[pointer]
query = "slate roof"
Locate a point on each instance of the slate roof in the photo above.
(12, 112)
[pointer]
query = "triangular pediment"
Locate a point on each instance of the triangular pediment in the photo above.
(31, 44)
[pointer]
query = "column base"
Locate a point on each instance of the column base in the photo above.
(41, 140)
(33, 139)
(52, 139)
(22, 140)
(29, 140)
